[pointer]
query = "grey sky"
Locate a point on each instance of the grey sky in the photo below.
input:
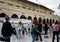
(52, 4)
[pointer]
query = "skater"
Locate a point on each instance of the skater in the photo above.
(20, 27)
(39, 29)
(55, 31)
(7, 29)
(33, 32)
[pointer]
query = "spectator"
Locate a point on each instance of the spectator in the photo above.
(55, 31)
(33, 32)
(7, 29)
(39, 30)
(46, 29)
(20, 27)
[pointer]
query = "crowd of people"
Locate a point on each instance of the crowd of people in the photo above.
(36, 31)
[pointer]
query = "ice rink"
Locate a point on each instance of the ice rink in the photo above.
(28, 38)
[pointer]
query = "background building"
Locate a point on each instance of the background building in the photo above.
(25, 9)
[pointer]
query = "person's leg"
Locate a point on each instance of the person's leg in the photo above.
(26, 31)
(33, 37)
(53, 36)
(45, 36)
(45, 32)
(20, 33)
(7, 39)
(51, 32)
(40, 37)
(23, 32)
(57, 37)
(36, 36)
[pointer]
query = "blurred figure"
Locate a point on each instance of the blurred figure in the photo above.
(43, 27)
(55, 31)
(20, 30)
(46, 30)
(50, 30)
(7, 29)
(33, 32)
(29, 29)
(13, 25)
(14, 28)
(59, 28)
(39, 30)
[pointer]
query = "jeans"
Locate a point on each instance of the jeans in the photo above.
(33, 37)
(38, 35)
(46, 31)
(57, 35)
(7, 39)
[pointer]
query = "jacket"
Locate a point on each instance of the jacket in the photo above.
(7, 29)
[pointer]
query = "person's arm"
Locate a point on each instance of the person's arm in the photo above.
(38, 31)
(2, 29)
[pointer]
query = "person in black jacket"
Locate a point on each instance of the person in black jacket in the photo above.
(39, 30)
(7, 29)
